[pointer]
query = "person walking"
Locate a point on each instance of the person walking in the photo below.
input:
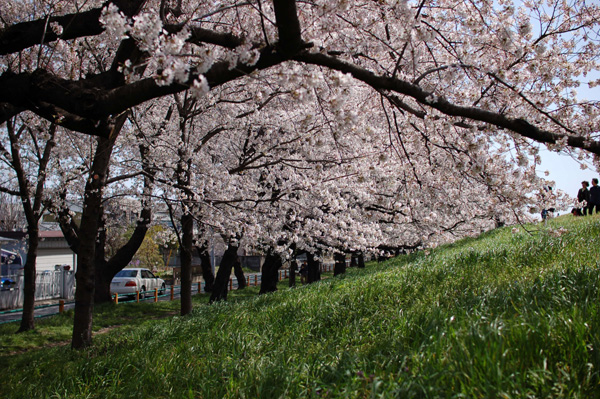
(583, 196)
(594, 202)
(548, 203)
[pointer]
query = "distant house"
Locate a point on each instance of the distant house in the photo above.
(53, 249)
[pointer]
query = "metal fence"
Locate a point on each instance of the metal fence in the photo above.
(48, 285)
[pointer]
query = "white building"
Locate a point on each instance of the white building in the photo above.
(53, 249)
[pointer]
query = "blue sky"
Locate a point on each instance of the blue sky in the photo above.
(564, 171)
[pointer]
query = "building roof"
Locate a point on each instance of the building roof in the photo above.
(51, 234)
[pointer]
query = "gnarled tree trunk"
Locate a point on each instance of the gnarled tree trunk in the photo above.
(187, 237)
(293, 268)
(207, 273)
(219, 292)
(314, 268)
(361, 260)
(270, 273)
(105, 270)
(88, 233)
(358, 260)
(29, 272)
(339, 266)
(32, 211)
(239, 273)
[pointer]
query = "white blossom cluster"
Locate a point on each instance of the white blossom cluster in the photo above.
(307, 155)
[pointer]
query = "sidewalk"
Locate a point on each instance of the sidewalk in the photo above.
(43, 308)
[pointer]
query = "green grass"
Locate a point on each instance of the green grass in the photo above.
(506, 315)
(58, 329)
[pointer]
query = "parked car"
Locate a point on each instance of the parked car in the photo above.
(131, 280)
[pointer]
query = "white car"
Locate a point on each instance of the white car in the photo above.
(131, 280)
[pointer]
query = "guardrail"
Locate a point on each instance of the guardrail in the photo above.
(251, 280)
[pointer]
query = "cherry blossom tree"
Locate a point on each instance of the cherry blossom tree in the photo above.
(496, 64)
(119, 186)
(450, 83)
(11, 213)
(27, 153)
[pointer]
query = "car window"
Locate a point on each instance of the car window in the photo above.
(145, 274)
(127, 273)
(150, 274)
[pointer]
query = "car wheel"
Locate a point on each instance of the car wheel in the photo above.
(162, 289)
(143, 292)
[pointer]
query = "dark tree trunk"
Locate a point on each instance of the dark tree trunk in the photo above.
(239, 274)
(32, 214)
(187, 237)
(207, 273)
(340, 264)
(293, 268)
(106, 270)
(314, 268)
(102, 282)
(270, 273)
(27, 320)
(102, 279)
(361, 260)
(88, 232)
(219, 292)
(86, 273)
(358, 260)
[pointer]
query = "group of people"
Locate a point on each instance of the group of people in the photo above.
(589, 197)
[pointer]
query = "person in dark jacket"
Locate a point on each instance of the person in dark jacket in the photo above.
(594, 197)
(584, 195)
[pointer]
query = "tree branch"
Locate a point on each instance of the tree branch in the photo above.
(27, 34)
(517, 125)
(288, 27)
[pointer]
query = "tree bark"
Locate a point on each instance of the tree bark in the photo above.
(361, 260)
(88, 232)
(207, 273)
(32, 211)
(86, 268)
(219, 292)
(102, 282)
(22, 35)
(293, 268)
(106, 270)
(239, 273)
(314, 272)
(29, 272)
(358, 260)
(340, 264)
(101, 290)
(270, 273)
(187, 238)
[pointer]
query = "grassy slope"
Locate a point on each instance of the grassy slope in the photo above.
(504, 315)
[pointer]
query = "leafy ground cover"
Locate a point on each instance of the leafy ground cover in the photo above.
(505, 315)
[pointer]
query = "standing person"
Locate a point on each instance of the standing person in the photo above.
(548, 202)
(594, 197)
(583, 195)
